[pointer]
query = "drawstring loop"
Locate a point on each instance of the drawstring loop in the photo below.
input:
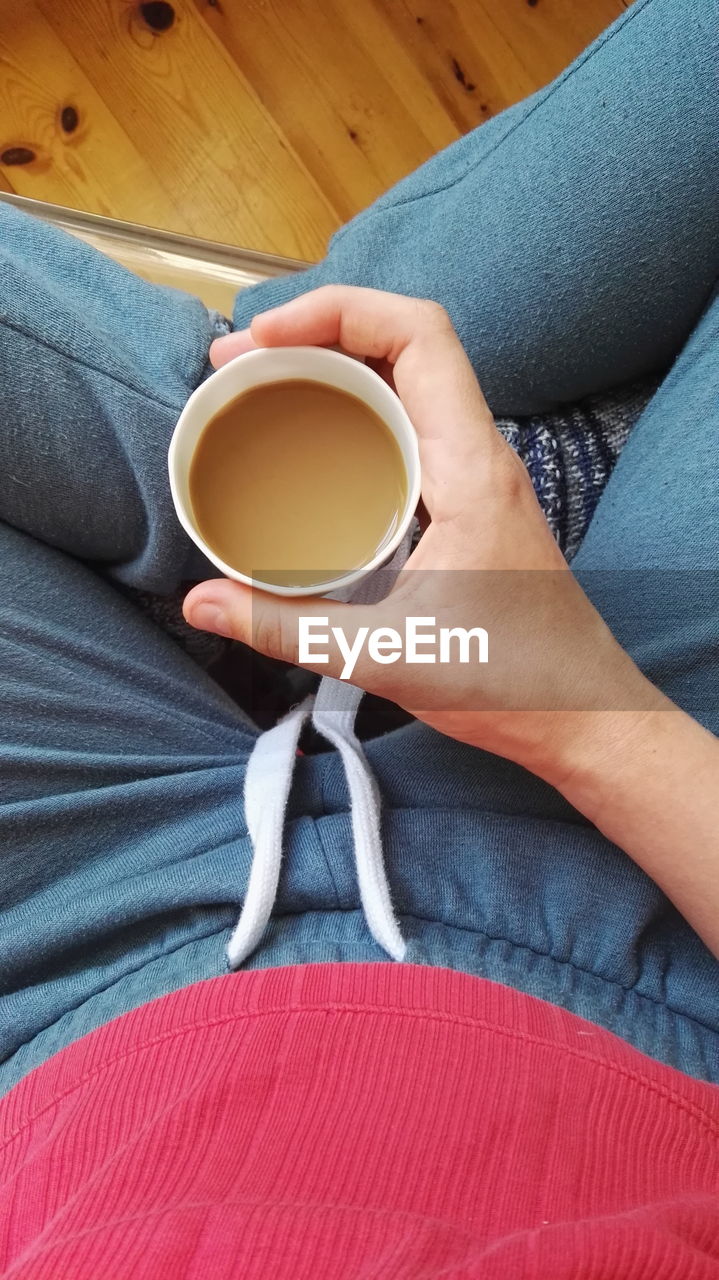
(267, 789)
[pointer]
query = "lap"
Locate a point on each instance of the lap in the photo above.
(126, 855)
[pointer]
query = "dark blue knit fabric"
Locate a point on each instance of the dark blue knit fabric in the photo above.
(571, 453)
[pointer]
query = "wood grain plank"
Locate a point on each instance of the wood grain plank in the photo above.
(179, 96)
(372, 35)
(470, 66)
(548, 34)
(83, 159)
(356, 129)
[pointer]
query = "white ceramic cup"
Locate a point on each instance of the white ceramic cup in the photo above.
(277, 364)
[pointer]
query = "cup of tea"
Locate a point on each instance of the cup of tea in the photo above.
(295, 469)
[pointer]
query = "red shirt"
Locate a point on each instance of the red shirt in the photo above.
(357, 1120)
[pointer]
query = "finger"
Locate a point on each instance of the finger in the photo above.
(386, 326)
(297, 631)
(222, 350)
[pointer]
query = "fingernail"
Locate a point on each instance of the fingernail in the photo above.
(210, 617)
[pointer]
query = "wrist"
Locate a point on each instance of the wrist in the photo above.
(604, 751)
(584, 751)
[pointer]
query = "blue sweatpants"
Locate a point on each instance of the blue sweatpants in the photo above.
(575, 241)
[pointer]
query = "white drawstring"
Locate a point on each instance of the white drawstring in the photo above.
(336, 706)
(267, 788)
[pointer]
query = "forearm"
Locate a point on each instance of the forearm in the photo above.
(650, 782)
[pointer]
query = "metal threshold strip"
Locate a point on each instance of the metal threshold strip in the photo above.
(215, 272)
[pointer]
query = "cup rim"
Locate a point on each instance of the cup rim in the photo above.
(328, 357)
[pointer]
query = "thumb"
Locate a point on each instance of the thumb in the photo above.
(320, 635)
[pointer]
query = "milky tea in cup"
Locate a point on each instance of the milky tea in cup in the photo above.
(297, 483)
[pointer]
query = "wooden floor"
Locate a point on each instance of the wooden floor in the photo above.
(263, 123)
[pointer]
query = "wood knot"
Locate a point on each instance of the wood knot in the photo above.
(460, 77)
(69, 119)
(158, 14)
(17, 155)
